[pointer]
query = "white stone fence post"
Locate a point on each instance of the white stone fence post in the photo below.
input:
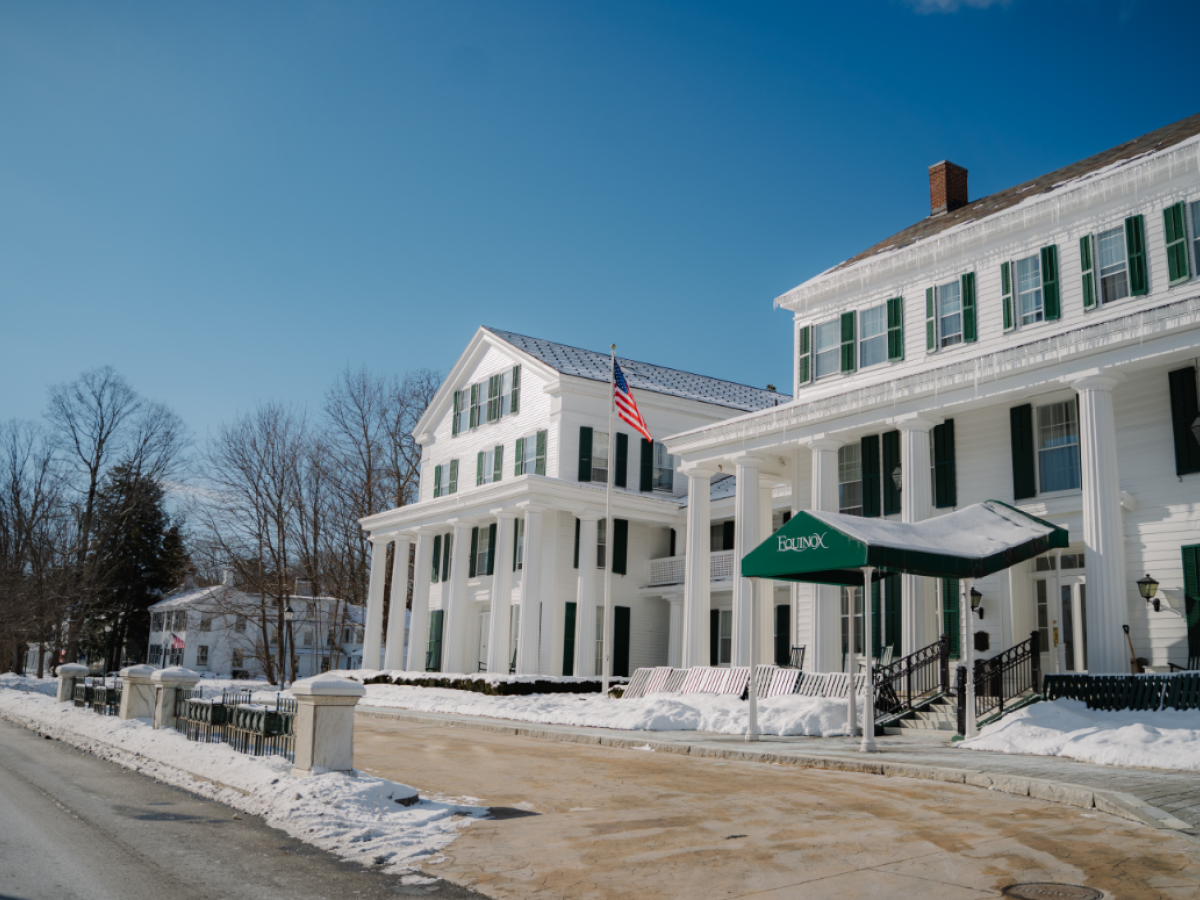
(137, 692)
(68, 674)
(325, 724)
(167, 685)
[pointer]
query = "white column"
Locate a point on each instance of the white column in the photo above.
(418, 636)
(585, 598)
(373, 631)
(531, 594)
(675, 632)
(697, 577)
(454, 600)
(764, 587)
(826, 649)
(1103, 526)
(795, 588)
(919, 622)
(968, 650)
(747, 523)
(500, 635)
(393, 651)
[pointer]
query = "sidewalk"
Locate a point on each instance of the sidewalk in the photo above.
(1162, 799)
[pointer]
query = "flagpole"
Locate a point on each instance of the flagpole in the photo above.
(609, 543)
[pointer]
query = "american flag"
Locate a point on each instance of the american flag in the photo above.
(176, 641)
(626, 405)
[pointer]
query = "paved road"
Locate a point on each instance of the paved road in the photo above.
(73, 827)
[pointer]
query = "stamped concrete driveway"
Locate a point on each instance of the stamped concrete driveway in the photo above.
(594, 822)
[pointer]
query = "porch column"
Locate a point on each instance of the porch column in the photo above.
(675, 632)
(765, 587)
(1103, 526)
(531, 594)
(500, 627)
(373, 631)
(454, 599)
(747, 523)
(393, 650)
(826, 649)
(697, 570)
(919, 626)
(418, 629)
(585, 598)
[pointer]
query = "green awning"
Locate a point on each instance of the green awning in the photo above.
(831, 548)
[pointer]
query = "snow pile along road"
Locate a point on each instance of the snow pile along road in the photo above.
(357, 818)
(791, 715)
(1167, 739)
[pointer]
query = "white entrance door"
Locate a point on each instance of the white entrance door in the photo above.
(1073, 608)
(485, 626)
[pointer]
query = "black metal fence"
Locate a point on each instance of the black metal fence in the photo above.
(1007, 677)
(1180, 690)
(912, 680)
(98, 696)
(258, 729)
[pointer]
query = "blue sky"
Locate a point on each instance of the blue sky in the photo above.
(230, 202)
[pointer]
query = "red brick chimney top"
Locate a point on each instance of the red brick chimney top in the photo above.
(947, 187)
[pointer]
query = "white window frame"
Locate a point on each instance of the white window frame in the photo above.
(1101, 299)
(940, 317)
(202, 655)
(506, 390)
(599, 450)
(464, 410)
(528, 454)
(836, 350)
(846, 594)
(481, 404)
(1070, 404)
(489, 467)
(1018, 311)
(881, 337)
(601, 542)
(482, 546)
(662, 478)
(846, 468)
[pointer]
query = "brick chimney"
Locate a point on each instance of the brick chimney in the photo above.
(947, 187)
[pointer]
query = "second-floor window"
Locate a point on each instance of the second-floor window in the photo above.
(1029, 289)
(827, 345)
(948, 299)
(850, 480)
(663, 477)
(206, 623)
(1058, 447)
(873, 336)
(530, 457)
(600, 456)
(489, 465)
(1114, 268)
(202, 655)
(445, 479)
(721, 536)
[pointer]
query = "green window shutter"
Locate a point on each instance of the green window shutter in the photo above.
(620, 652)
(1183, 413)
(876, 631)
(491, 549)
(433, 657)
(1020, 421)
(452, 488)
(493, 403)
(1050, 302)
(945, 487)
(479, 469)
(1175, 229)
(435, 574)
(539, 461)
(454, 421)
(930, 322)
(1135, 247)
(714, 637)
(950, 614)
(1191, 598)
(783, 635)
(619, 479)
(437, 481)
(498, 468)
(575, 561)
(474, 414)
(474, 550)
(518, 456)
(515, 405)
(1006, 293)
(869, 447)
(585, 453)
(891, 459)
(646, 481)
(569, 640)
(895, 321)
(1089, 272)
(620, 552)
(446, 556)
(970, 332)
(849, 346)
(804, 356)
(892, 611)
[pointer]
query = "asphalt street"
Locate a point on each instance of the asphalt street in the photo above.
(73, 827)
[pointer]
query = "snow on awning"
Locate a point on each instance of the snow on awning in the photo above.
(831, 548)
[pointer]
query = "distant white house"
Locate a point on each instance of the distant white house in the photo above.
(217, 630)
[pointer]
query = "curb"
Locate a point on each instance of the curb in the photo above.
(1125, 806)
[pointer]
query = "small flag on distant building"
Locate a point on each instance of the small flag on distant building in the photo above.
(626, 406)
(176, 641)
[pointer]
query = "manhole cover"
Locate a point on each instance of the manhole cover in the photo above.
(1045, 890)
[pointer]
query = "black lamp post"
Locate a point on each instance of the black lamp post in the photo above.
(897, 478)
(1149, 587)
(976, 600)
(288, 615)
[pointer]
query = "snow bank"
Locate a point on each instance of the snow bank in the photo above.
(791, 715)
(356, 818)
(1167, 739)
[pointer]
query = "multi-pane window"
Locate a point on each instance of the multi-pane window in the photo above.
(1114, 267)
(664, 469)
(206, 623)
(1058, 446)
(1043, 614)
(238, 659)
(527, 462)
(599, 639)
(479, 408)
(506, 390)
(850, 479)
(483, 551)
(872, 341)
(488, 473)
(202, 655)
(601, 542)
(240, 624)
(948, 299)
(827, 341)
(1029, 289)
(855, 594)
(725, 637)
(721, 536)
(307, 638)
(600, 456)
(463, 405)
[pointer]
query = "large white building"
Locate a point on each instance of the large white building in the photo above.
(1037, 346)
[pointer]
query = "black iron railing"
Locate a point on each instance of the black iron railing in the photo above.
(101, 698)
(259, 729)
(912, 680)
(1006, 677)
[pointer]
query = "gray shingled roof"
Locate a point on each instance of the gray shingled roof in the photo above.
(644, 376)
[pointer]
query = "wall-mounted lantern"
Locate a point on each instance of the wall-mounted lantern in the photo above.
(1149, 587)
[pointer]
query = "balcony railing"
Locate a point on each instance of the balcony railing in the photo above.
(669, 569)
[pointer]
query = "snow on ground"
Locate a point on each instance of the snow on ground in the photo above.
(1167, 739)
(356, 818)
(791, 715)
